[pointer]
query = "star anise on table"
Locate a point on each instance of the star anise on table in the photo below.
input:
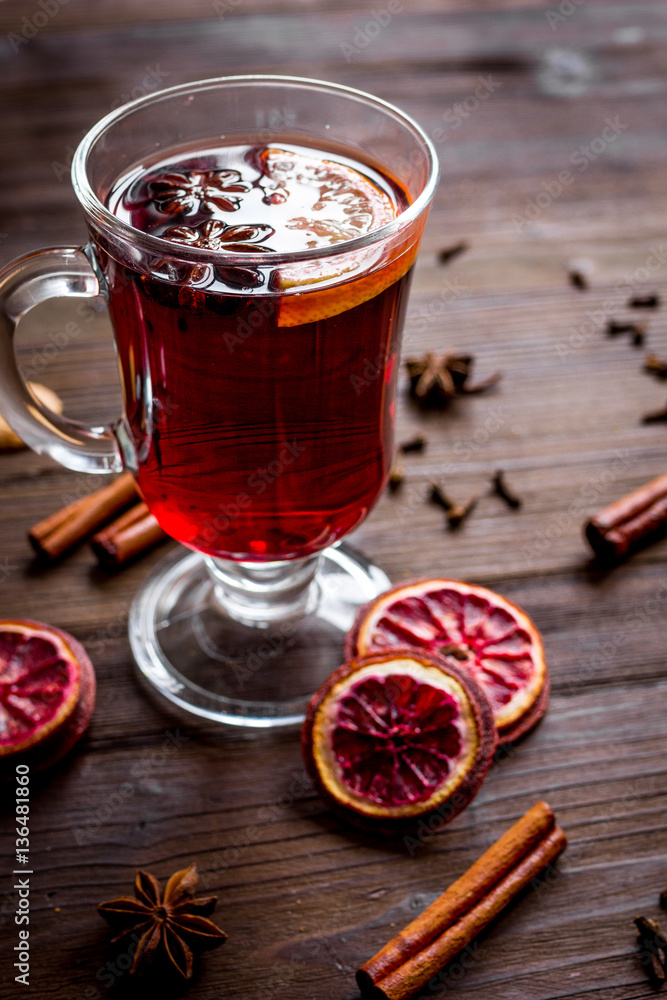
(170, 925)
(176, 193)
(655, 366)
(435, 380)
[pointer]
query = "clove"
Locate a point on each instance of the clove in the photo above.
(644, 301)
(415, 444)
(505, 492)
(656, 416)
(578, 280)
(396, 478)
(638, 330)
(456, 513)
(450, 253)
(579, 272)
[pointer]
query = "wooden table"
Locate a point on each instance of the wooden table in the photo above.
(304, 898)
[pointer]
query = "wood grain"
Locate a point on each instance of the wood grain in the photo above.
(304, 898)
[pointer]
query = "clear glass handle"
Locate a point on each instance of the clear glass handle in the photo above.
(24, 283)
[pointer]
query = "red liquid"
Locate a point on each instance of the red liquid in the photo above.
(262, 425)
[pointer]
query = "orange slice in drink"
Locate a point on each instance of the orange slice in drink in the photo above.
(313, 304)
(337, 204)
(490, 637)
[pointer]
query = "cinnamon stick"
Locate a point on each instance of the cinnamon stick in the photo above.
(415, 973)
(462, 895)
(128, 536)
(628, 523)
(64, 529)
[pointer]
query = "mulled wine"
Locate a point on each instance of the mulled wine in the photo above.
(260, 399)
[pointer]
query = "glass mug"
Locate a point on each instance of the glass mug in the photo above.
(258, 388)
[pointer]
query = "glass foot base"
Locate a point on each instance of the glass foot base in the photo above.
(261, 674)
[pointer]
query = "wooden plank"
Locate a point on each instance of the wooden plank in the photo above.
(305, 897)
(125, 14)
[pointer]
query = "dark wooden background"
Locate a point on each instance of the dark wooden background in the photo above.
(304, 898)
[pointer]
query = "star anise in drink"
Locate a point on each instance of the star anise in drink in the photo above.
(187, 194)
(171, 926)
(181, 273)
(216, 235)
(219, 237)
(435, 380)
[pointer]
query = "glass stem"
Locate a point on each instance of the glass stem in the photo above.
(261, 593)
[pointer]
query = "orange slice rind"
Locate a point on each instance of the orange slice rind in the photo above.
(319, 303)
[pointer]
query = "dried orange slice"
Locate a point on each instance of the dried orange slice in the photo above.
(47, 693)
(396, 736)
(492, 638)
